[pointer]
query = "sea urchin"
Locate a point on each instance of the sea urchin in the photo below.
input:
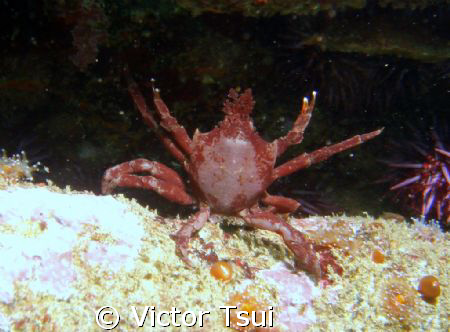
(427, 186)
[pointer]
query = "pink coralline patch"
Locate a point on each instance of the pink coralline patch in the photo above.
(49, 227)
(313, 223)
(296, 292)
(292, 321)
(55, 273)
(50, 272)
(114, 257)
(11, 270)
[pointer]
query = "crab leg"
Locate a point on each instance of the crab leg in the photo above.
(150, 121)
(187, 231)
(141, 165)
(169, 123)
(295, 135)
(164, 181)
(307, 159)
(168, 190)
(304, 250)
(280, 203)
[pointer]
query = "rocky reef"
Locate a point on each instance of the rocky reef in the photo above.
(67, 254)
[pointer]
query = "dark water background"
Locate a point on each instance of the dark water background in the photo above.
(64, 100)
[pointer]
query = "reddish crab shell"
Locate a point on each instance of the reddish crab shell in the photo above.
(230, 169)
(232, 165)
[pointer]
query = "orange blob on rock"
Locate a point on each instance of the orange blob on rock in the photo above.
(429, 287)
(377, 256)
(399, 301)
(222, 271)
(256, 313)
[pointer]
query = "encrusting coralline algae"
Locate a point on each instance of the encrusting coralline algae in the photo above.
(50, 227)
(66, 254)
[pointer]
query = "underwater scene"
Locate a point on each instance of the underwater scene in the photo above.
(224, 165)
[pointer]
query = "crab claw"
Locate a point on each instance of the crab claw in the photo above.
(327, 261)
(310, 257)
(313, 258)
(154, 89)
(188, 230)
(181, 243)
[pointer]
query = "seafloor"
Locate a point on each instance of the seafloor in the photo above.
(66, 254)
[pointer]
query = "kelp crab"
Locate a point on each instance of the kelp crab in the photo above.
(230, 169)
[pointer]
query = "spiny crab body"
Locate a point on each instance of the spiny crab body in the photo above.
(231, 165)
(230, 169)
